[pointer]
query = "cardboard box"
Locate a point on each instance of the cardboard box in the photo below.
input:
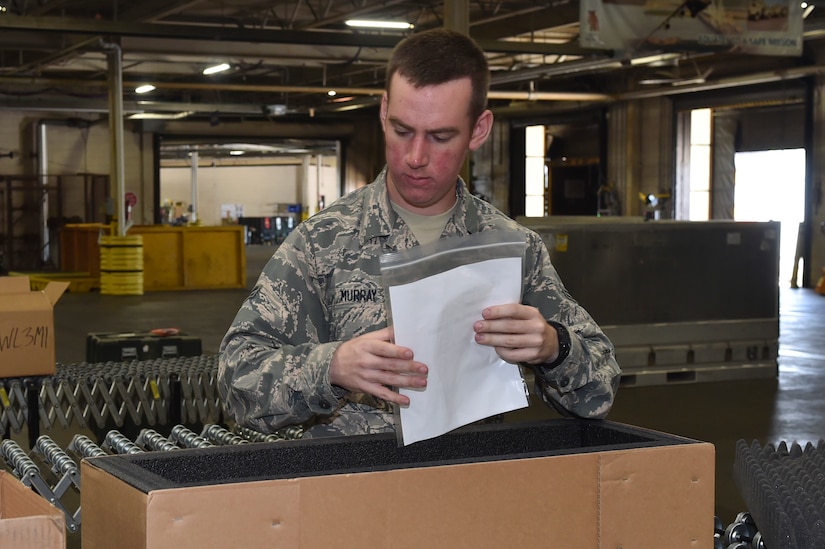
(562, 483)
(27, 521)
(27, 327)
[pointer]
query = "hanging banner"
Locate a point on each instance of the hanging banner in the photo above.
(767, 27)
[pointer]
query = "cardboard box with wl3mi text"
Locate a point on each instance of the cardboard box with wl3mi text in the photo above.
(27, 342)
(564, 483)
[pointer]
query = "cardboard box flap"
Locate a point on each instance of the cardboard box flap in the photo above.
(14, 285)
(54, 290)
(27, 521)
(18, 500)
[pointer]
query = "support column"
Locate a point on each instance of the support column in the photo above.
(457, 18)
(42, 172)
(815, 214)
(193, 202)
(457, 15)
(116, 169)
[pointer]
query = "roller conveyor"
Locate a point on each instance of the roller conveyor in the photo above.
(52, 471)
(144, 393)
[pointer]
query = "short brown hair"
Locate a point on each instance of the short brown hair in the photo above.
(439, 56)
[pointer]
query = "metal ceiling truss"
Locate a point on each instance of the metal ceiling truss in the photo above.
(293, 52)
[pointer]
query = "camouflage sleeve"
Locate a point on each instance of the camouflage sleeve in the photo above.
(585, 383)
(274, 359)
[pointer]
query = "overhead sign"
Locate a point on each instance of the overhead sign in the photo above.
(767, 27)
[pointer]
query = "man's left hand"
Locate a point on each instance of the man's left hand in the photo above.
(518, 333)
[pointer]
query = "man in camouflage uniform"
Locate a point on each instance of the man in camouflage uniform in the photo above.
(310, 346)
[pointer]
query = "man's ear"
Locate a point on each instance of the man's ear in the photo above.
(383, 111)
(481, 130)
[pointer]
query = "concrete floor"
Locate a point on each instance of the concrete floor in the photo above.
(790, 408)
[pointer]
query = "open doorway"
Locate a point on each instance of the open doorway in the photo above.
(748, 163)
(268, 185)
(770, 186)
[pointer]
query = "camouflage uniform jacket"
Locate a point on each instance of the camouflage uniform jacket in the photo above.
(323, 286)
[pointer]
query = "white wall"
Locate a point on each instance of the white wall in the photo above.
(260, 190)
(313, 189)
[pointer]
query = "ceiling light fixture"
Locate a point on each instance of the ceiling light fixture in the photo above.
(332, 93)
(159, 115)
(216, 68)
(806, 9)
(145, 88)
(366, 24)
(236, 153)
(655, 59)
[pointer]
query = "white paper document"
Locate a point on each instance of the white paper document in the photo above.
(434, 317)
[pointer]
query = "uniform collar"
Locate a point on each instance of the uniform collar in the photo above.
(378, 217)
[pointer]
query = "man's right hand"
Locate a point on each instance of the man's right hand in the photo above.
(371, 363)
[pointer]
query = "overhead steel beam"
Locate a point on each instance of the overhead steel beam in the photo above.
(733, 82)
(157, 9)
(270, 36)
(53, 57)
(194, 32)
(355, 13)
(101, 106)
(277, 88)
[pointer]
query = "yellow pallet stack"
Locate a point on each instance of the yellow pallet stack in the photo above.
(121, 265)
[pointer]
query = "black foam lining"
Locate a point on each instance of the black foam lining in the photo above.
(316, 457)
(784, 489)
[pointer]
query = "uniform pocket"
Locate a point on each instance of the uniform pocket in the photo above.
(357, 308)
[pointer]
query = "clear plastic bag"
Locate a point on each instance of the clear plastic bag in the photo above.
(434, 295)
(448, 253)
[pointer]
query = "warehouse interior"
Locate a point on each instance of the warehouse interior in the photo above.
(711, 296)
(786, 407)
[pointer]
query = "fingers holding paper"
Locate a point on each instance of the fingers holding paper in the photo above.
(518, 333)
(372, 364)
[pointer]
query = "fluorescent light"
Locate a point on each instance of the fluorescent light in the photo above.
(275, 110)
(236, 153)
(216, 68)
(145, 88)
(159, 115)
(655, 59)
(362, 23)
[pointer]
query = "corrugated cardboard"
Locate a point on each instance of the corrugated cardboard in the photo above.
(631, 495)
(27, 343)
(27, 521)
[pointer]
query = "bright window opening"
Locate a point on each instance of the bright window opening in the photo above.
(535, 172)
(700, 141)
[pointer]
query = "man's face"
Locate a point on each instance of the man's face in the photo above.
(428, 133)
